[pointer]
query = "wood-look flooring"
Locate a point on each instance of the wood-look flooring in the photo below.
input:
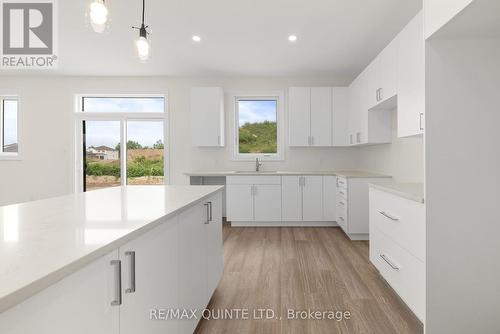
(301, 269)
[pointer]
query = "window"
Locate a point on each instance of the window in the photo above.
(9, 137)
(258, 130)
(123, 141)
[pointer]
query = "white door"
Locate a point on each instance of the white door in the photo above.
(291, 196)
(239, 202)
(312, 198)
(149, 280)
(267, 199)
(330, 198)
(207, 116)
(215, 252)
(299, 113)
(321, 116)
(411, 90)
(193, 266)
(79, 304)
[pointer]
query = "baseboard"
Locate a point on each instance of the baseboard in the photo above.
(359, 237)
(284, 224)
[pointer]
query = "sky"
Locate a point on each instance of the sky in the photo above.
(107, 133)
(10, 122)
(257, 111)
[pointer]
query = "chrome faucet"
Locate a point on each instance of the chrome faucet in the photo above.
(258, 164)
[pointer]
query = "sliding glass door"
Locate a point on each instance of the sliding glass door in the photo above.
(123, 141)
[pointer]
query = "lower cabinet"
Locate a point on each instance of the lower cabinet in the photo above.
(312, 198)
(175, 265)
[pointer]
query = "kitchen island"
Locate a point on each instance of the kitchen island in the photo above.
(102, 261)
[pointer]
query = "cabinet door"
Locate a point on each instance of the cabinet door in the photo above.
(312, 198)
(215, 252)
(291, 196)
(149, 280)
(329, 198)
(387, 71)
(267, 203)
(411, 90)
(79, 303)
(193, 264)
(239, 202)
(340, 130)
(299, 113)
(321, 116)
(207, 116)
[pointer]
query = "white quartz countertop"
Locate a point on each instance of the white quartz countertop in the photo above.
(412, 191)
(347, 174)
(43, 241)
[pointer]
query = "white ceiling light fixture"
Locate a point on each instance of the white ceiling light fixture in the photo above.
(142, 44)
(292, 38)
(196, 38)
(98, 14)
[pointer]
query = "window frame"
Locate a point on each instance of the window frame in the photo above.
(10, 155)
(123, 118)
(277, 96)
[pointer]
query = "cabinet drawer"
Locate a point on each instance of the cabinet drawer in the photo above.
(342, 216)
(403, 271)
(250, 179)
(401, 219)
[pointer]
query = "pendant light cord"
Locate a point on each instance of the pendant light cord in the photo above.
(143, 10)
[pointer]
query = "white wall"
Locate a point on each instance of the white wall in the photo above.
(403, 159)
(47, 133)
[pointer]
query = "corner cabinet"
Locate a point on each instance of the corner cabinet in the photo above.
(315, 116)
(173, 265)
(207, 116)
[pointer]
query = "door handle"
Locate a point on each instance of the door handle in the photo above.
(389, 262)
(131, 256)
(207, 220)
(118, 282)
(386, 215)
(210, 210)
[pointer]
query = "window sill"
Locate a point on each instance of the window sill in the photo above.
(10, 157)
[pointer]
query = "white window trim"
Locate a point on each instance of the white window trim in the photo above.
(9, 155)
(279, 96)
(122, 117)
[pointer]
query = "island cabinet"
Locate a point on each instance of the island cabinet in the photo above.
(176, 264)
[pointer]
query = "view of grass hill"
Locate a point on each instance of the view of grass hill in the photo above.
(258, 137)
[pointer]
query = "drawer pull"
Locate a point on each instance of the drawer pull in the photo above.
(342, 193)
(341, 203)
(389, 262)
(341, 218)
(386, 215)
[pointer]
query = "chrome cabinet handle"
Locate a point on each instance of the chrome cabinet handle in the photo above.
(421, 117)
(218, 140)
(341, 218)
(385, 214)
(131, 256)
(118, 282)
(207, 213)
(342, 203)
(380, 94)
(389, 262)
(342, 193)
(210, 206)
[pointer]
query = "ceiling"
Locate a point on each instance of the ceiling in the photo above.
(239, 38)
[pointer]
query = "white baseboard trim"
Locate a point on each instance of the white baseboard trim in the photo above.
(358, 237)
(284, 224)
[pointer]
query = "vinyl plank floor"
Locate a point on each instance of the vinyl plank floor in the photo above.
(302, 269)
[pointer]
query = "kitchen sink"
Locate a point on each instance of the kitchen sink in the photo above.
(254, 172)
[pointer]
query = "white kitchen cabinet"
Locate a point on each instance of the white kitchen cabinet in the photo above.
(299, 114)
(80, 304)
(439, 12)
(267, 203)
(254, 198)
(411, 78)
(312, 198)
(149, 279)
(239, 202)
(291, 197)
(321, 116)
(340, 135)
(329, 198)
(207, 116)
(215, 248)
(386, 76)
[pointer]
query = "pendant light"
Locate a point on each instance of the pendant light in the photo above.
(142, 44)
(98, 14)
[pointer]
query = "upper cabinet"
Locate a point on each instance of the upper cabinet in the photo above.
(411, 79)
(317, 116)
(440, 12)
(207, 116)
